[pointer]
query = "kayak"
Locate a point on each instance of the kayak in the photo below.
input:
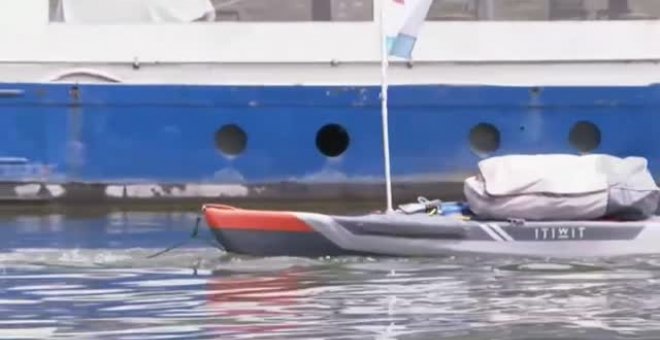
(411, 234)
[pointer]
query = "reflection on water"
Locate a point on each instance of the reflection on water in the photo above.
(70, 277)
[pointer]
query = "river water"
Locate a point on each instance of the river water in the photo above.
(90, 276)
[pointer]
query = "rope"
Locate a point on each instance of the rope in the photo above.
(193, 235)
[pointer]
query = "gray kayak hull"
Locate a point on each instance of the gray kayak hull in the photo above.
(264, 233)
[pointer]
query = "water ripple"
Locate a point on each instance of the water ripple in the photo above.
(200, 293)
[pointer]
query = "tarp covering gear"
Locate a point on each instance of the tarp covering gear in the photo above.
(562, 187)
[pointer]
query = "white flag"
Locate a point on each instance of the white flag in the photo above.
(403, 21)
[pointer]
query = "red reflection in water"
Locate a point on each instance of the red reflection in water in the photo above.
(262, 304)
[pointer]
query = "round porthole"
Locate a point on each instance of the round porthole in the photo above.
(231, 140)
(332, 140)
(585, 136)
(484, 139)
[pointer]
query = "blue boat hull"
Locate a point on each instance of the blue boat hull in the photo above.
(122, 135)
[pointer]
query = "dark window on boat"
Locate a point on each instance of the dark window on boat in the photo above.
(105, 11)
(55, 10)
(543, 10)
(484, 139)
(93, 11)
(294, 10)
(585, 136)
(231, 140)
(332, 140)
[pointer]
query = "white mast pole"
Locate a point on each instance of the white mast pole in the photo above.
(384, 63)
